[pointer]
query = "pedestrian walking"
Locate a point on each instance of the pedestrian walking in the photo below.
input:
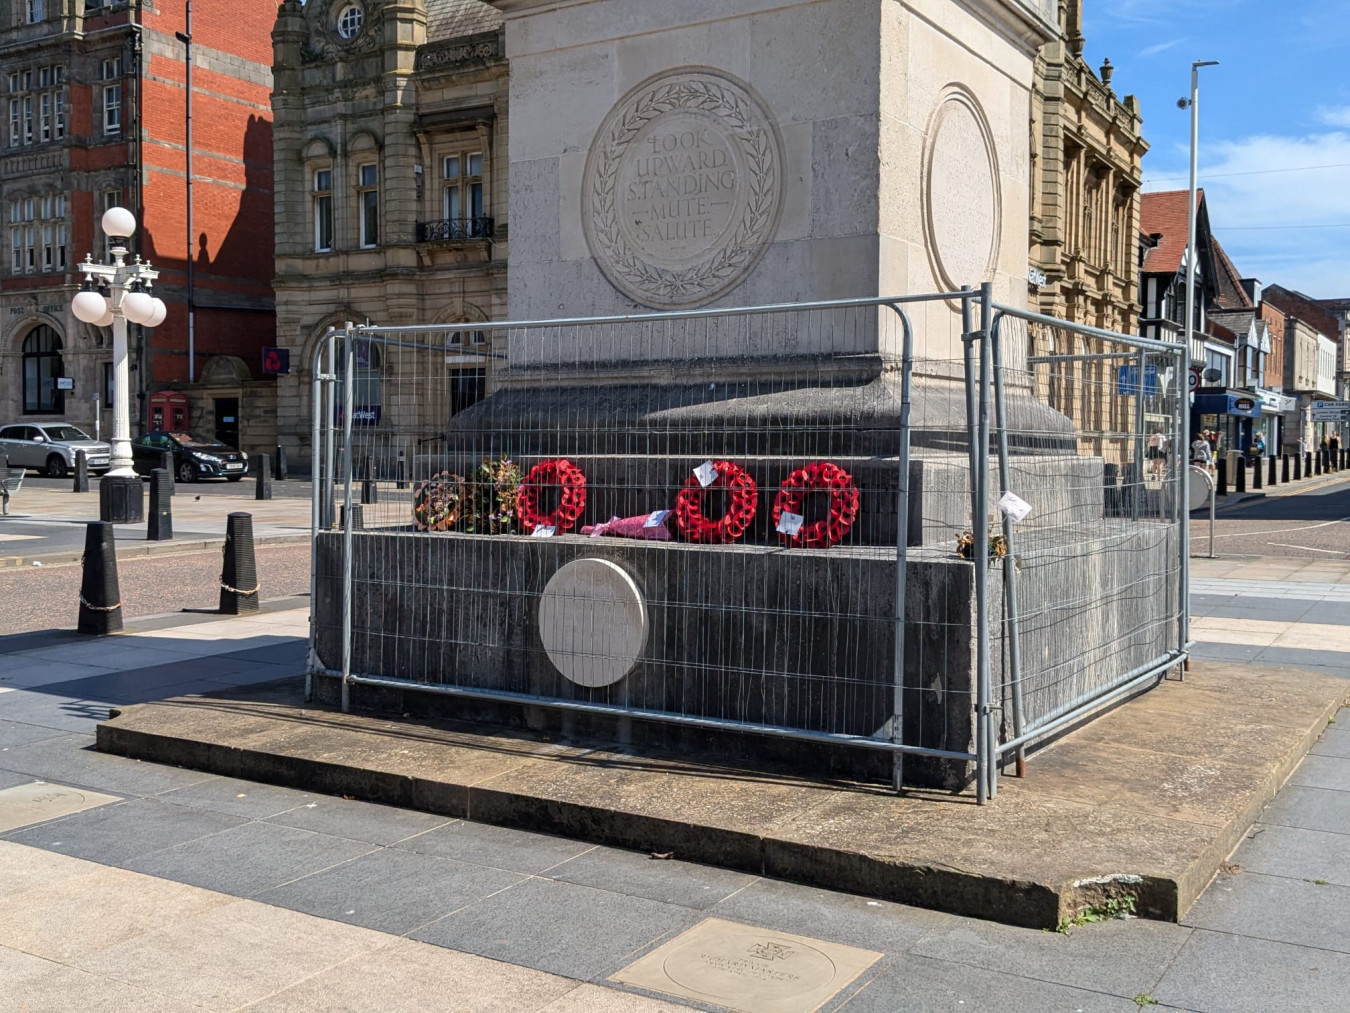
(1157, 454)
(1201, 454)
(1257, 449)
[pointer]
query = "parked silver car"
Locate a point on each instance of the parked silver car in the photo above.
(50, 447)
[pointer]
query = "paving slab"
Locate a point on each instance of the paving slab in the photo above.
(1220, 971)
(1092, 819)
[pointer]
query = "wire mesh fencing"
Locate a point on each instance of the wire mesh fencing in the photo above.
(757, 525)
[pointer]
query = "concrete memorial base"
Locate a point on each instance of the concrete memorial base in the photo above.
(1145, 802)
(121, 500)
(796, 638)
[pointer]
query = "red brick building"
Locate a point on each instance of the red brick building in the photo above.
(95, 114)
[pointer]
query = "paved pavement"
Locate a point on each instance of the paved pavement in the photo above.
(192, 891)
(46, 518)
(1302, 523)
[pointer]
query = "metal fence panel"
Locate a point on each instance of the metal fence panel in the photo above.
(441, 453)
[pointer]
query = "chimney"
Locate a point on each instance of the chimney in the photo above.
(1252, 286)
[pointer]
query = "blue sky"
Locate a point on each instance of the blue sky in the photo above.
(1278, 103)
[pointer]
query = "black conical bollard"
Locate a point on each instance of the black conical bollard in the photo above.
(1307, 464)
(100, 599)
(81, 472)
(264, 487)
(279, 472)
(1221, 477)
(1284, 468)
(1271, 479)
(1317, 463)
(370, 492)
(1298, 467)
(159, 528)
(1258, 475)
(1240, 475)
(401, 471)
(358, 517)
(239, 575)
(166, 462)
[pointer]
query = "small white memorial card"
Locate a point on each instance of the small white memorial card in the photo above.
(657, 518)
(789, 523)
(543, 531)
(706, 473)
(1014, 506)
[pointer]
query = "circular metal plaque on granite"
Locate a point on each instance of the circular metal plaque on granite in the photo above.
(593, 622)
(683, 188)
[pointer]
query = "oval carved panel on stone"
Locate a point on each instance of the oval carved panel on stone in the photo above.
(593, 622)
(961, 201)
(683, 188)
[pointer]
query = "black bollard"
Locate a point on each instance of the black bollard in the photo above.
(100, 600)
(1298, 467)
(1271, 479)
(370, 492)
(1240, 476)
(260, 467)
(279, 472)
(160, 526)
(401, 472)
(358, 520)
(166, 462)
(1221, 477)
(81, 472)
(1317, 463)
(1257, 473)
(239, 575)
(1284, 468)
(1307, 464)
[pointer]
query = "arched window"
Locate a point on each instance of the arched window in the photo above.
(42, 365)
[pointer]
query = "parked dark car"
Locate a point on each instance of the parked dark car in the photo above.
(194, 458)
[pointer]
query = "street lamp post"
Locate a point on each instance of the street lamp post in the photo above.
(114, 294)
(1184, 451)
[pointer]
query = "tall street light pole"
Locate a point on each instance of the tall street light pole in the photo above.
(1184, 451)
(1194, 104)
(112, 295)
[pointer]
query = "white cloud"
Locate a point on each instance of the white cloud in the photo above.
(1248, 183)
(1160, 47)
(1334, 116)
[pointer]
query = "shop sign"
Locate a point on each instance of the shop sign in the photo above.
(1244, 404)
(1276, 404)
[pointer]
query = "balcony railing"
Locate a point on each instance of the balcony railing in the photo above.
(449, 229)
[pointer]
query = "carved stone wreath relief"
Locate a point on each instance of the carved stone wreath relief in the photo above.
(683, 188)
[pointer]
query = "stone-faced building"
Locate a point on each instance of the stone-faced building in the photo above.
(390, 161)
(1085, 175)
(94, 116)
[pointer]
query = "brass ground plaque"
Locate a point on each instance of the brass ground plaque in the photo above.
(33, 803)
(748, 969)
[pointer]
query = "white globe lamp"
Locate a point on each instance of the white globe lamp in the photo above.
(107, 318)
(161, 311)
(119, 223)
(89, 307)
(138, 307)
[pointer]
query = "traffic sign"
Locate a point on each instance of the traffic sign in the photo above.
(1331, 411)
(1193, 380)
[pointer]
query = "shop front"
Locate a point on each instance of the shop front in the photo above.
(1276, 411)
(1231, 416)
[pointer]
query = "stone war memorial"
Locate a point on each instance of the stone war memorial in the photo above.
(774, 465)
